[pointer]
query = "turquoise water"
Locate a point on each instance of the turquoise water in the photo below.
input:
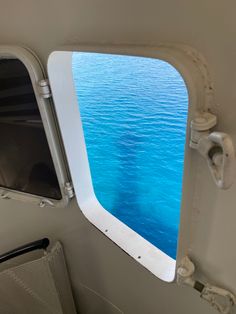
(134, 114)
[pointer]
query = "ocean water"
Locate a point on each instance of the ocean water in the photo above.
(134, 115)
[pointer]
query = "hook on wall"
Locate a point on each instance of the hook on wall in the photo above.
(219, 298)
(216, 147)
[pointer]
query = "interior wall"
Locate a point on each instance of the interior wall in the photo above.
(101, 273)
(94, 261)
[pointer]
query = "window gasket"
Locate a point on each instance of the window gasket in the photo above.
(36, 73)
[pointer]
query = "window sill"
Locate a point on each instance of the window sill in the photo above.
(156, 261)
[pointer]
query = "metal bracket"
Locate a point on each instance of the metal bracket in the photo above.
(216, 147)
(44, 88)
(221, 299)
(4, 195)
(69, 190)
(44, 202)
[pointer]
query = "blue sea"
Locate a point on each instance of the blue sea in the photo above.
(134, 114)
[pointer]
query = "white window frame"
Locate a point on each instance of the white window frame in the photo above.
(195, 74)
(36, 73)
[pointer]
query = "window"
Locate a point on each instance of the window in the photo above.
(134, 115)
(26, 162)
(31, 156)
(125, 144)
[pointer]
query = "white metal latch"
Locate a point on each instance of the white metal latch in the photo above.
(44, 88)
(45, 202)
(221, 299)
(216, 147)
(69, 190)
(4, 195)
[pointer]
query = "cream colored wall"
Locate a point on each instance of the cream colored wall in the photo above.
(94, 261)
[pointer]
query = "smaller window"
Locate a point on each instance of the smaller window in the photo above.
(25, 161)
(32, 161)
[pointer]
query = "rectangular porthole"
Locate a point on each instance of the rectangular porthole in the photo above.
(128, 117)
(31, 165)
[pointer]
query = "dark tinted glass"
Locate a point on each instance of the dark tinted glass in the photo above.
(25, 161)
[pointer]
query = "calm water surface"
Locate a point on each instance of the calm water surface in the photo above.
(134, 113)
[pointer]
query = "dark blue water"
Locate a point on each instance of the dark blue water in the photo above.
(134, 113)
